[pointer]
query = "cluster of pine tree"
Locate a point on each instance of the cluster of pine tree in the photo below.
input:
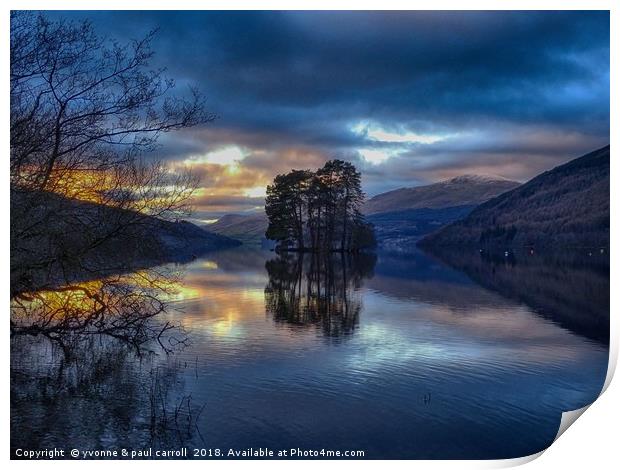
(318, 210)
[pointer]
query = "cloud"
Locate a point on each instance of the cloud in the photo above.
(228, 156)
(409, 97)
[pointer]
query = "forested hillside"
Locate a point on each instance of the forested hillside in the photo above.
(566, 206)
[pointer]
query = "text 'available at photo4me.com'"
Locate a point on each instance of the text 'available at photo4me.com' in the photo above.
(186, 453)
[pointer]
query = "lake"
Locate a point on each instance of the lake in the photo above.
(400, 355)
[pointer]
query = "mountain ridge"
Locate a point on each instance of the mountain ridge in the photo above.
(567, 205)
(461, 190)
(248, 228)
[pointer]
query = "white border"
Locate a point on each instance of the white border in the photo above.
(592, 443)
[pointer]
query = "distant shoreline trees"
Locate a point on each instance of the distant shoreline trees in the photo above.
(318, 211)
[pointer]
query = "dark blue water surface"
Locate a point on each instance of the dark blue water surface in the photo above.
(400, 355)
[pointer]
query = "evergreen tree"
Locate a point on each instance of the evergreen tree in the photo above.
(318, 211)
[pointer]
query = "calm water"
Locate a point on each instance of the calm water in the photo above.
(401, 356)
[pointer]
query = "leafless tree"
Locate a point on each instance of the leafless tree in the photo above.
(82, 104)
(84, 112)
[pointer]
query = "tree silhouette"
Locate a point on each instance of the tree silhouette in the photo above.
(318, 211)
(84, 109)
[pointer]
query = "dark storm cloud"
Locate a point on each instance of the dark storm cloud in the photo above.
(511, 93)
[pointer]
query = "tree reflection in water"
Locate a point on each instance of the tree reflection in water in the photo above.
(85, 366)
(318, 289)
(127, 307)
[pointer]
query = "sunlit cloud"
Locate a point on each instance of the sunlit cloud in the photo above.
(234, 178)
(377, 133)
(227, 156)
(407, 137)
(209, 265)
(257, 191)
(398, 141)
(223, 188)
(375, 156)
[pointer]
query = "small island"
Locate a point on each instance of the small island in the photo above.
(318, 211)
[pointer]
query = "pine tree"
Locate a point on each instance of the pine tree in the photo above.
(318, 211)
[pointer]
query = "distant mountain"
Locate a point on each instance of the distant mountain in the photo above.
(249, 229)
(180, 238)
(466, 190)
(403, 216)
(75, 240)
(401, 230)
(566, 206)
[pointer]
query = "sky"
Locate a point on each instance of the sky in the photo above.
(409, 97)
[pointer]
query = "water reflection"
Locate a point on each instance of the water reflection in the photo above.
(569, 288)
(401, 355)
(319, 290)
(126, 307)
(102, 395)
(91, 349)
